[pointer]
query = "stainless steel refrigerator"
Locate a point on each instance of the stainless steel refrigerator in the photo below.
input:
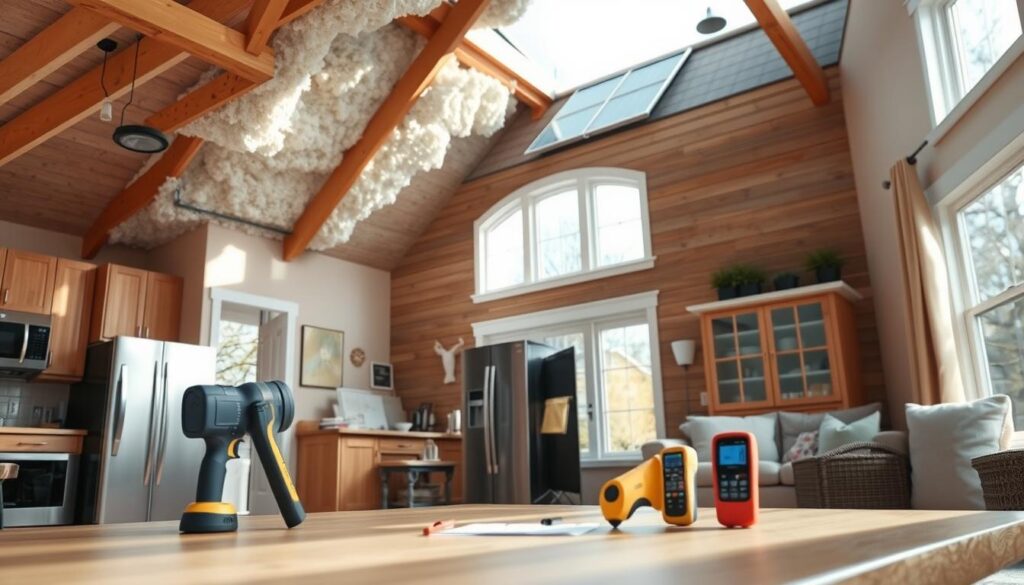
(507, 458)
(136, 464)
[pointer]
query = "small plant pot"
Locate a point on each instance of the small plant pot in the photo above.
(727, 292)
(786, 282)
(752, 288)
(829, 273)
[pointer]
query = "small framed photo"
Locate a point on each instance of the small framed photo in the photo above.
(381, 376)
(322, 357)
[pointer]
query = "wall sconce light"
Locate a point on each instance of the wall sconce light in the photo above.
(684, 351)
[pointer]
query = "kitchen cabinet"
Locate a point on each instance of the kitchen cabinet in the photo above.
(71, 307)
(337, 468)
(136, 303)
(40, 440)
(787, 350)
(27, 282)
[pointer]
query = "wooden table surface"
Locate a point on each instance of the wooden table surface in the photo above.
(386, 546)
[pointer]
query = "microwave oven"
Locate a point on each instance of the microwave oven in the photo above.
(24, 344)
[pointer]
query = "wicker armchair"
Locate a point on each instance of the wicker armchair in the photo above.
(1002, 479)
(859, 475)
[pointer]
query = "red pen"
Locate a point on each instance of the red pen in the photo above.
(438, 527)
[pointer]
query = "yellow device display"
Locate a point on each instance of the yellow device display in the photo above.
(665, 482)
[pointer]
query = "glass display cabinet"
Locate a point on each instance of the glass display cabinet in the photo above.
(795, 349)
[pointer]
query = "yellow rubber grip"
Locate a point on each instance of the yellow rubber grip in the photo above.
(210, 508)
(280, 460)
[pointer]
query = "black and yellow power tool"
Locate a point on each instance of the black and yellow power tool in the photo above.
(223, 416)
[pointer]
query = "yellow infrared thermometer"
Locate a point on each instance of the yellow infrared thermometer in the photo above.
(665, 482)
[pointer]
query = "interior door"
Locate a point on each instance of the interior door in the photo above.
(129, 444)
(177, 458)
(271, 360)
(28, 282)
(124, 302)
(476, 367)
(162, 313)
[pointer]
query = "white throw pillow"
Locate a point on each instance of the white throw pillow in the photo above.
(701, 429)
(943, 440)
(835, 433)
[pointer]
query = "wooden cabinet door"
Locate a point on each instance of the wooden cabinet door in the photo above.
(317, 478)
(451, 450)
(162, 315)
(28, 282)
(736, 355)
(69, 333)
(803, 360)
(120, 302)
(359, 486)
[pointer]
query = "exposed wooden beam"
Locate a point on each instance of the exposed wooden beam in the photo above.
(297, 8)
(83, 96)
(183, 27)
(68, 37)
(262, 21)
(140, 193)
(787, 40)
(388, 116)
(472, 55)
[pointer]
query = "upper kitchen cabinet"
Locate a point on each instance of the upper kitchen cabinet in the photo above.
(27, 283)
(136, 303)
(72, 304)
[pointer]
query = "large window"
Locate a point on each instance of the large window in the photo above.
(990, 227)
(618, 385)
(572, 226)
(962, 40)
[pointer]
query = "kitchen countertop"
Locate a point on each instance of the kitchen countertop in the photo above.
(40, 431)
(386, 546)
(312, 427)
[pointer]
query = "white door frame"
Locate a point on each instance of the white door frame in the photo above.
(218, 296)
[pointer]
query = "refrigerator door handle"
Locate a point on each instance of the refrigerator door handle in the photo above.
(490, 428)
(121, 401)
(147, 470)
(487, 422)
(163, 432)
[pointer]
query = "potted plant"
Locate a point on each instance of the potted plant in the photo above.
(826, 264)
(786, 280)
(748, 279)
(724, 281)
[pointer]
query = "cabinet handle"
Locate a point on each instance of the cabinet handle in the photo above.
(32, 443)
(146, 335)
(138, 331)
(49, 358)
(7, 295)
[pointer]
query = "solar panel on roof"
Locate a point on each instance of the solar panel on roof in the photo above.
(613, 102)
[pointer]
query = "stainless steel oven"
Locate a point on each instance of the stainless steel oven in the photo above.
(43, 494)
(24, 344)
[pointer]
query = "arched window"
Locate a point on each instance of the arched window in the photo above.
(572, 226)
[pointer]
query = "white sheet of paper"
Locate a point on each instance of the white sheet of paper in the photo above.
(519, 529)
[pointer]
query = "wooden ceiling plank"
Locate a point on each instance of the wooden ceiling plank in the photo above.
(388, 116)
(82, 97)
(795, 52)
(140, 193)
(262, 22)
(69, 36)
(181, 26)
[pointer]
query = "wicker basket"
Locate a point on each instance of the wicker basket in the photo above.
(858, 475)
(1002, 479)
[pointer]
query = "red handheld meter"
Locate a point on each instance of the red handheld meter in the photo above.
(734, 465)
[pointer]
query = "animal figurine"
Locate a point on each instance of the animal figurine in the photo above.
(448, 359)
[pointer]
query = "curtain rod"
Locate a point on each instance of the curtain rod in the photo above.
(911, 160)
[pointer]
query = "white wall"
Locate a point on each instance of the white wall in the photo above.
(42, 241)
(887, 116)
(330, 293)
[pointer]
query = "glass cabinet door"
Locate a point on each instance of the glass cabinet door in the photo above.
(802, 368)
(740, 371)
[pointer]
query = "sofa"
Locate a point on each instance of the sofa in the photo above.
(775, 434)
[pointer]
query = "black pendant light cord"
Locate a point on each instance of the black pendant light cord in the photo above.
(103, 75)
(135, 70)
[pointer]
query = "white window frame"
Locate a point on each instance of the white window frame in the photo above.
(592, 318)
(525, 198)
(948, 99)
(966, 301)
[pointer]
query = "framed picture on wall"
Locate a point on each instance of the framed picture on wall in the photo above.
(322, 357)
(381, 376)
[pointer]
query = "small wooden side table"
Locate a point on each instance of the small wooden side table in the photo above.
(413, 469)
(7, 471)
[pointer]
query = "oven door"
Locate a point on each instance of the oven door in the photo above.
(43, 494)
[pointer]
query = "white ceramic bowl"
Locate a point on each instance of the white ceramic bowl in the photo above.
(405, 427)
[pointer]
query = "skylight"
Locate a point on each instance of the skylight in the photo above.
(611, 103)
(575, 42)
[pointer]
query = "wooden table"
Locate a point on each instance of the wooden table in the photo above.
(386, 546)
(413, 469)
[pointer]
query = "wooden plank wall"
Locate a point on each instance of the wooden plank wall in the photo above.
(762, 177)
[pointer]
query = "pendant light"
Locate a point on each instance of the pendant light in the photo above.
(107, 108)
(711, 23)
(137, 137)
